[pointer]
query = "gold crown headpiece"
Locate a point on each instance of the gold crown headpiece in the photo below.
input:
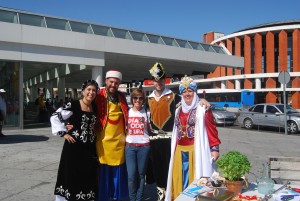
(187, 82)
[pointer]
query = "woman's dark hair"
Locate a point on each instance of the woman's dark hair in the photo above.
(88, 83)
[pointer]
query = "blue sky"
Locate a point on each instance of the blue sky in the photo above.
(187, 19)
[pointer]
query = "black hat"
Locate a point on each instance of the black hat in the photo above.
(157, 71)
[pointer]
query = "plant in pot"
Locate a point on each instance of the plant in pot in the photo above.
(233, 165)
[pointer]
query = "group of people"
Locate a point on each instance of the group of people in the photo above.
(109, 147)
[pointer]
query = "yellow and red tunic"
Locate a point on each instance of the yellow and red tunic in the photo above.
(111, 138)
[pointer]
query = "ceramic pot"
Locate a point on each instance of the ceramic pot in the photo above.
(235, 186)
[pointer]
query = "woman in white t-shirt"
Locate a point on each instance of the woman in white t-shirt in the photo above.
(137, 145)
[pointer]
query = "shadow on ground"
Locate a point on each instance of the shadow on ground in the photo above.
(14, 139)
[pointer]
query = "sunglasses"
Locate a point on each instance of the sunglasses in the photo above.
(138, 98)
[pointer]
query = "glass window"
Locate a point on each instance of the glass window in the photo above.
(32, 20)
(57, 24)
(271, 109)
(138, 36)
(196, 46)
(207, 47)
(155, 39)
(9, 81)
(169, 41)
(259, 108)
(80, 27)
(6, 16)
(290, 53)
(121, 33)
(102, 30)
(218, 49)
(183, 43)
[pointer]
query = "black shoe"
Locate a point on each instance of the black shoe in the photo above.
(2, 135)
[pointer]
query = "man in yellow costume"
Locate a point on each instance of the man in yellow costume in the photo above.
(112, 113)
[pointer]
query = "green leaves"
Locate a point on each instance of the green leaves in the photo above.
(233, 165)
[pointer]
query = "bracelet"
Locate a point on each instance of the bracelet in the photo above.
(215, 148)
(61, 133)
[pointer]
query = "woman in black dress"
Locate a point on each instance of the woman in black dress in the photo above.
(76, 178)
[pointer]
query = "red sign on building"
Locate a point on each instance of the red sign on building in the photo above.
(150, 82)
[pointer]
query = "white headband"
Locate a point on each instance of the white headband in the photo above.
(114, 73)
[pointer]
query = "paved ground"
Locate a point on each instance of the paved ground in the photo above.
(29, 159)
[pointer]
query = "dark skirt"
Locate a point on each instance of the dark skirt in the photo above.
(77, 173)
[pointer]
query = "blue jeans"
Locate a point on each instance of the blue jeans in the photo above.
(136, 162)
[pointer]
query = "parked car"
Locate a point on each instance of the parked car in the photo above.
(222, 116)
(270, 115)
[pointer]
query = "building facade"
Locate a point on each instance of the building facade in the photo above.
(268, 49)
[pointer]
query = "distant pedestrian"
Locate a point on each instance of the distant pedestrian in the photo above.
(43, 114)
(2, 110)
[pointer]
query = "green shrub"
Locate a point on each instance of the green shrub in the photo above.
(233, 165)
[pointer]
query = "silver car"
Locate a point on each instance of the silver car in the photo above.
(222, 116)
(270, 115)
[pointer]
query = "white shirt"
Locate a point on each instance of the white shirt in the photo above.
(137, 127)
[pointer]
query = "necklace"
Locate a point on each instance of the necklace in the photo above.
(85, 103)
(156, 94)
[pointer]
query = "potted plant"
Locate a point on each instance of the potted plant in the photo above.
(233, 165)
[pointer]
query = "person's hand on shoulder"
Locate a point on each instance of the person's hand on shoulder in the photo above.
(205, 103)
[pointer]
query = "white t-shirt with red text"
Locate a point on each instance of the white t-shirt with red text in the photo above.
(137, 127)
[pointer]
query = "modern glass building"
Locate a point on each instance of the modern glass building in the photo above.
(267, 49)
(43, 53)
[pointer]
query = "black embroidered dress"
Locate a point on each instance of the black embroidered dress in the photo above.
(77, 173)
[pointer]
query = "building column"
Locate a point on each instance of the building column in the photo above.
(230, 83)
(97, 75)
(258, 53)
(296, 68)
(33, 93)
(247, 60)
(21, 96)
(27, 92)
(283, 50)
(49, 91)
(223, 84)
(237, 84)
(61, 85)
(270, 66)
(257, 83)
(237, 42)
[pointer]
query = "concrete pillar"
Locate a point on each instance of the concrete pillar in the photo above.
(21, 96)
(97, 75)
(223, 84)
(61, 85)
(257, 83)
(33, 93)
(49, 89)
(237, 84)
(27, 97)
